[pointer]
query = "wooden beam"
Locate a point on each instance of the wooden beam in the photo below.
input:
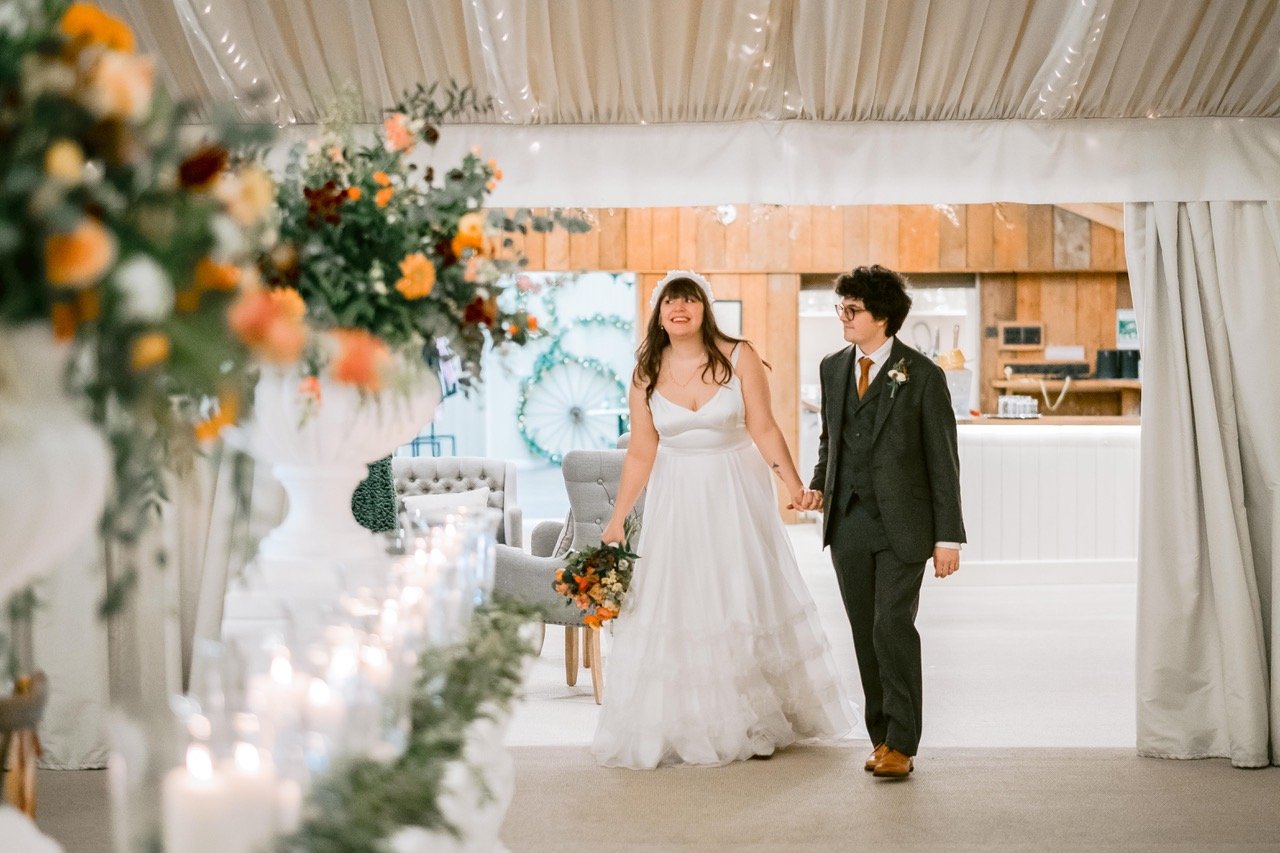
(1110, 215)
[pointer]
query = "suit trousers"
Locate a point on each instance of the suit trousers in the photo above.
(881, 595)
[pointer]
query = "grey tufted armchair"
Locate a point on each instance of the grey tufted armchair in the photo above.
(425, 475)
(591, 479)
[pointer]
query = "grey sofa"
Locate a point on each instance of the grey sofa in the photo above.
(425, 475)
(591, 479)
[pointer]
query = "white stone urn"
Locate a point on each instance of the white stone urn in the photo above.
(54, 464)
(319, 450)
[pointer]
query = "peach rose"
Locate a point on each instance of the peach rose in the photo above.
(79, 258)
(268, 322)
(396, 127)
(361, 359)
(247, 194)
(121, 85)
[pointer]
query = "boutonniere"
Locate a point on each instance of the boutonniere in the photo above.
(898, 373)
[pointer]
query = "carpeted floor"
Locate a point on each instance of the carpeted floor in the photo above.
(819, 798)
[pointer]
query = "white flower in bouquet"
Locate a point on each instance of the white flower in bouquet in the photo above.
(147, 294)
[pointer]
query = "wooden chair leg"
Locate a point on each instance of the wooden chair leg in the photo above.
(597, 665)
(586, 644)
(570, 655)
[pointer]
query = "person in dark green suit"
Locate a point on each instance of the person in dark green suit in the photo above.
(888, 481)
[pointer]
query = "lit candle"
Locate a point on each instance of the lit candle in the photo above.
(376, 666)
(196, 805)
(326, 711)
(251, 783)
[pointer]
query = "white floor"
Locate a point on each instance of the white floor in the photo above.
(1032, 665)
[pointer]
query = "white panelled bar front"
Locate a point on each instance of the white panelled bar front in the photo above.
(1049, 503)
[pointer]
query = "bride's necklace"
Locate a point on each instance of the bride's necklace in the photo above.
(697, 371)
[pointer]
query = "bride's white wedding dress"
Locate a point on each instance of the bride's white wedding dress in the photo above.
(718, 654)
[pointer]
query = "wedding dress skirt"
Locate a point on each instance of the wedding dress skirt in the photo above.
(718, 654)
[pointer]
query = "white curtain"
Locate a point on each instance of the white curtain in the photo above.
(1206, 283)
(633, 103)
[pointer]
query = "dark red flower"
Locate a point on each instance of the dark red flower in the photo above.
(324, 203)
(199, 171)
(481, 310)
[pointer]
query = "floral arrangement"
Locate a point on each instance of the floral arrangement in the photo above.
(124, 236)
(390, 257)
(596, 579)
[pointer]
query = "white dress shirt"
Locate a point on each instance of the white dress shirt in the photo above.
(878, 359)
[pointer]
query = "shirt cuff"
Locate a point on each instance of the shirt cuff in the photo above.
(955, 545)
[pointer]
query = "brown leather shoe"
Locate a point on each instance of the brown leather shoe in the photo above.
(894, 765)
(874, 758)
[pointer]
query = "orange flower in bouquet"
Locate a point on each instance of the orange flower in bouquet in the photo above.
(596, 580)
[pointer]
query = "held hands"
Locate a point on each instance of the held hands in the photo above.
(946, 561)
(806, 500)
(612, 534)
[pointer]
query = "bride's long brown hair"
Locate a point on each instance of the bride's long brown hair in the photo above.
(656, 339)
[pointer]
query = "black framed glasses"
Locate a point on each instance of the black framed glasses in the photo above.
(848, 312)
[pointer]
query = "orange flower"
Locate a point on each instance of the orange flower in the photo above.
(531, 323)
(87, 24)
(78, 259)
(211, 275)
(289, 301)
(562, 588)
(310, 387)
(148, 350)
(397, 130)
(269, 323)
(381, 179)
(582, 601)
(360, 360)
(606, 613)
(228, 413)
(354, 193)
(513, 330)
(583, 583)
(470, 233)
(592, 621)
(383, 196)
(418, 276)
(559, 575)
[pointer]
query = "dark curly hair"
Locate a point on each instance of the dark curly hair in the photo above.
(883, 292)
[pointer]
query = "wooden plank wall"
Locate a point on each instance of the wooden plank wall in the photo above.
(1034, 262)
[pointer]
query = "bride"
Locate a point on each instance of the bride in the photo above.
(718, 654)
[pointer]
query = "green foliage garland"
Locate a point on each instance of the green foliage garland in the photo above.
(363, 802)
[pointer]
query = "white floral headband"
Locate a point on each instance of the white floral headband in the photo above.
(675, 274)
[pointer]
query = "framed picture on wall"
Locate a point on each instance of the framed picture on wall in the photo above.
(1126, 328)
(728, 316)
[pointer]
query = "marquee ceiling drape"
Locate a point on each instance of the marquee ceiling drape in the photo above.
(745, 84)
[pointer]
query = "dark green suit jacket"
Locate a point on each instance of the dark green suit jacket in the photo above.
(915, 467)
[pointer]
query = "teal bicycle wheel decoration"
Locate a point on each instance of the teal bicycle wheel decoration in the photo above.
(569, 403)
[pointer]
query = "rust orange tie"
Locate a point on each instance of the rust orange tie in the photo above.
(864, 375)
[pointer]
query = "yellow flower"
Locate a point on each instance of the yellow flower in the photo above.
(79, 258)
(148, 350)
(64, 162)
(247, 194)
(120, 86)
(418, 276)
(87, 24)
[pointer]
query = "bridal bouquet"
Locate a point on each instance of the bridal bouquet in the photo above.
(597, 579)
